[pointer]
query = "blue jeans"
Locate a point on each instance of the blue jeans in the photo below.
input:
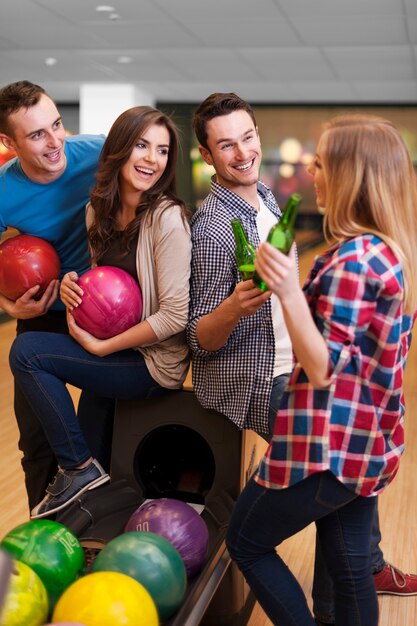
(278, 388)
(94, 413)
(42, 364)
(322, 593)
(263, 518)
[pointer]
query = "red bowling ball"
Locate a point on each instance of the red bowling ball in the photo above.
(26, 261)
(112, 302)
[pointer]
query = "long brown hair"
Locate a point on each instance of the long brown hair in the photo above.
(105, 197)
(371, 187)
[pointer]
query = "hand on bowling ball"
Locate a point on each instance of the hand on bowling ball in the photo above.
(85, 339)
(27, 306)
(70, 292)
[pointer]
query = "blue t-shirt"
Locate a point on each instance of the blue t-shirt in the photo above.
(55, 210)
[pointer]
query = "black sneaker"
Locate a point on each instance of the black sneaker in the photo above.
(67, 486)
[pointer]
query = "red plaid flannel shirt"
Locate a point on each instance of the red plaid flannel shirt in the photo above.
(354, 427)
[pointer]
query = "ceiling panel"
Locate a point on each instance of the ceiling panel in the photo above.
(256, 32)
(289, 63)
(340, 8)
(147, 34)
(186, 10)
(78, 11)
(211, 65)
(412, 29)
(410, 8)
(336, 91)
(387, 91)
(373, 63)
(44, 31)
(374, 30)
(77, 66)
(268, 50)
(145, 65)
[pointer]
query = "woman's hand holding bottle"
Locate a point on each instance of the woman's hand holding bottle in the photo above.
(277, 270)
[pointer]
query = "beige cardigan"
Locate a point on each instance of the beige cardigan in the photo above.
(163, 265)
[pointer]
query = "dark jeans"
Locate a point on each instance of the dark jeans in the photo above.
(322, 593)
(43, 363)
(263, 518)
(95, 415)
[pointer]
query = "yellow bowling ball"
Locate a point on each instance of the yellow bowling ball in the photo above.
(107, 599)
(26, 601)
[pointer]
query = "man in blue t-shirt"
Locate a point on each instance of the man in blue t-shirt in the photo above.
(43, 192)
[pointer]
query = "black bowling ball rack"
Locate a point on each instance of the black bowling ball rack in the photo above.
(172, 447)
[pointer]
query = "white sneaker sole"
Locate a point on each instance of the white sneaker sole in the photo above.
(93, 485)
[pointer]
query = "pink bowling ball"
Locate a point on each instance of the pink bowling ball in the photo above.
(112, 302)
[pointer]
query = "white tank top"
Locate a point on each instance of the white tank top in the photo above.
(283, 350)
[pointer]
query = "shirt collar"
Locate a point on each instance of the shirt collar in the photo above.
(228, 197)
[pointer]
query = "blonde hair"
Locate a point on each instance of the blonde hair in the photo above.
(371, 187)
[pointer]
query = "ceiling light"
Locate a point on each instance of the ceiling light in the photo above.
(124, 59)
(50, 61)
(105, 8)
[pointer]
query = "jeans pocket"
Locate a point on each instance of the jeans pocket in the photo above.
(331, 493)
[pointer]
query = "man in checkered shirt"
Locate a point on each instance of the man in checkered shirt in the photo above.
(240, 347)
(242, 353)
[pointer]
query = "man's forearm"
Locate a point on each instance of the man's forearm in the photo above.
(214, 329)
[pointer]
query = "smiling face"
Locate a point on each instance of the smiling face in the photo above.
(147, 161)
(234, 150)
(38, 137)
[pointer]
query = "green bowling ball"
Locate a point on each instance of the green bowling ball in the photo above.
(26, 600)
(151, 560)
(51, 550)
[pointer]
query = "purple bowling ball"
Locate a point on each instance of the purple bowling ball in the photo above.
(112, 302)
(180, 524)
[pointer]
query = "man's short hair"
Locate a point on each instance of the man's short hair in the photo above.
(16, 96)
(213, 106)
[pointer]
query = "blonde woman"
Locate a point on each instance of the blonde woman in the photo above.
(339, 436)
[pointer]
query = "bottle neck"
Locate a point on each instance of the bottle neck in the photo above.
(239, 233)
(290, 211)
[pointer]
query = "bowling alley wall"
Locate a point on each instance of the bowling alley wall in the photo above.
(288, 136)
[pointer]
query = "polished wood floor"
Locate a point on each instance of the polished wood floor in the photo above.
(398, 504)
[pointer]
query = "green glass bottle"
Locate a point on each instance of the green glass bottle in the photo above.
(282, 234)
(244, 252)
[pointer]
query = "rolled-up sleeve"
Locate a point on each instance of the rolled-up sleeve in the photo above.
(348, 294)
(212, 281)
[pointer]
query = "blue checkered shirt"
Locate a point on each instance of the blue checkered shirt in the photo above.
(237, 379)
